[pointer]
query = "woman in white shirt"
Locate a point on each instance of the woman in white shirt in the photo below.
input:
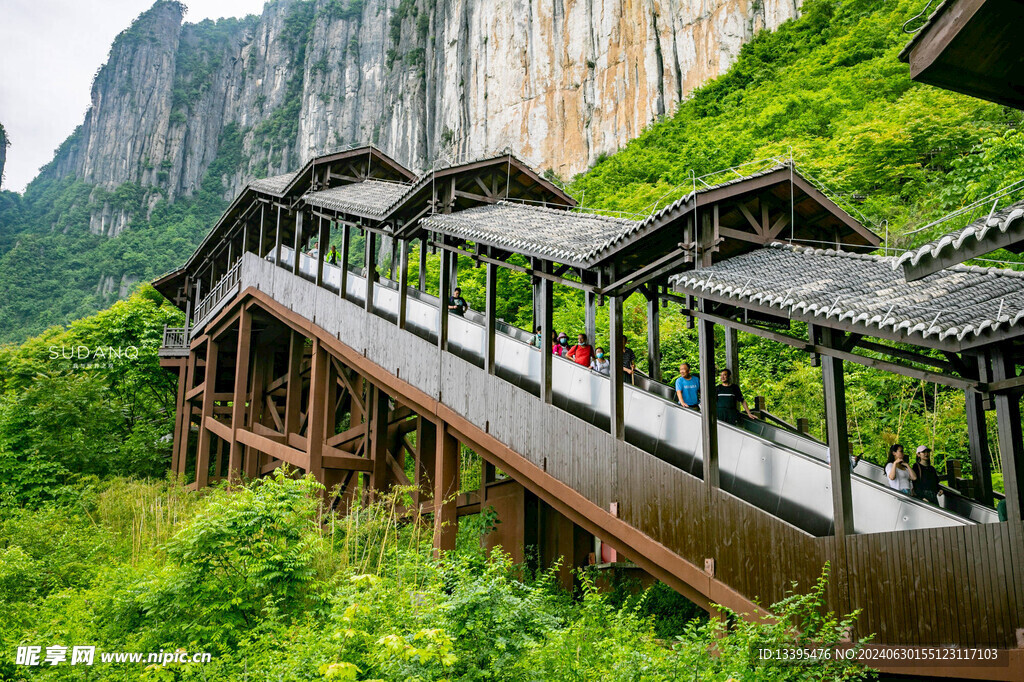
(599, 363)
(899, 473)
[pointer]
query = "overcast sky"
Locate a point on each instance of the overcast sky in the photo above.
(49, 51)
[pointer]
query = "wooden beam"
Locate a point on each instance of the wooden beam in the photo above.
(617, 420)
(403, 282)
(238, 406)
(545, 310)
(348, 435)
(1011, 447)
(653, 335)
(838, 440)
(708, 402)
(316, 432)
(444, 291)
(446, 487)
(203, 449)
(377, 441)
(285, 453)
(491, 317)
(346, 238)
(218, 428)
(370, 245)
(293, 394)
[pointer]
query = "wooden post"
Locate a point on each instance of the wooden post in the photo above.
(186, 418)
(732, 354)
(708, 402)
(426, 453)
(316, 429)
(446, 487)
(1011, 448)
(259, 244)
(371, 268)
(590, 319)
(346, 237)
(617, 375)
(491, 313)
(977, 445)
(210, 381)
(403, 282)
(653, 335)
(321, 250)
(278, 240)
(241, 392)
(422, 274)
(297, 242)
(377, 445)
(293, 391)
(545, 311)
(443, 294)
(262, 363)
(838, 439)
(180, 428)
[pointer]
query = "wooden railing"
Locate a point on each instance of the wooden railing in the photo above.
(175, 337)
(228, 284)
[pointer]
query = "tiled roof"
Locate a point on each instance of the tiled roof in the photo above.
(372, 197)
(562, 236)
(863, 289)
(682, 201)
(272, 185)
(969, 237)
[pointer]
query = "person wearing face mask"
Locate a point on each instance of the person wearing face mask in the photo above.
(926, 481)
(600, 363)
(581, 353)
(561, 345)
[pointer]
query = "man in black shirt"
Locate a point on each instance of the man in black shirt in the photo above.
(728, 396)
(456, 304)
(926, 485)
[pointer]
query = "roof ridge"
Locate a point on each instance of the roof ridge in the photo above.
(959, 267)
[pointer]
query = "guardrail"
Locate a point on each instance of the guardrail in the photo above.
(175, 337)
(225, 285)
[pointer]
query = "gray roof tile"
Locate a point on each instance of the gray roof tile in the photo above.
(562, 236)
(372, 197)
(967, 237)
(956, 302)
(272, 185)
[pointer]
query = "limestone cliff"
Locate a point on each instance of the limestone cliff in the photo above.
(558, 81)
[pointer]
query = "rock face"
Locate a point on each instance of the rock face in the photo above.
(558, 81)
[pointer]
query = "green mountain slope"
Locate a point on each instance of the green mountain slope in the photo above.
(829, 89)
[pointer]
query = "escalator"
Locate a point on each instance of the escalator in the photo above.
(780, 471)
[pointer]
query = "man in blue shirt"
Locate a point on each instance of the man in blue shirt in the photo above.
(688, 387)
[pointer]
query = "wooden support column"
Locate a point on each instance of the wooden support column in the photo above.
(732, 354)
(180, 411)
(293, 391)
(377, 443)
(444, 291)
(653, 335)
(316, 430)
(297, 242)
(259, 244)
(262, 363)
(617, 425)
(446, 488)
(206, 412)
(708, 402)
(346, 238)
(545, 311)
(241, 392)
(277, 240)
(403, 282)
(1011, 448)
(491, 314)
(838, 438)
(977, 444)
(426, 453)
(371, 268)
(590, 320)
(321, 250)
(185, 417)
(422, 274)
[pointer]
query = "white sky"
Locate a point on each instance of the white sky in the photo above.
(49, 52)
